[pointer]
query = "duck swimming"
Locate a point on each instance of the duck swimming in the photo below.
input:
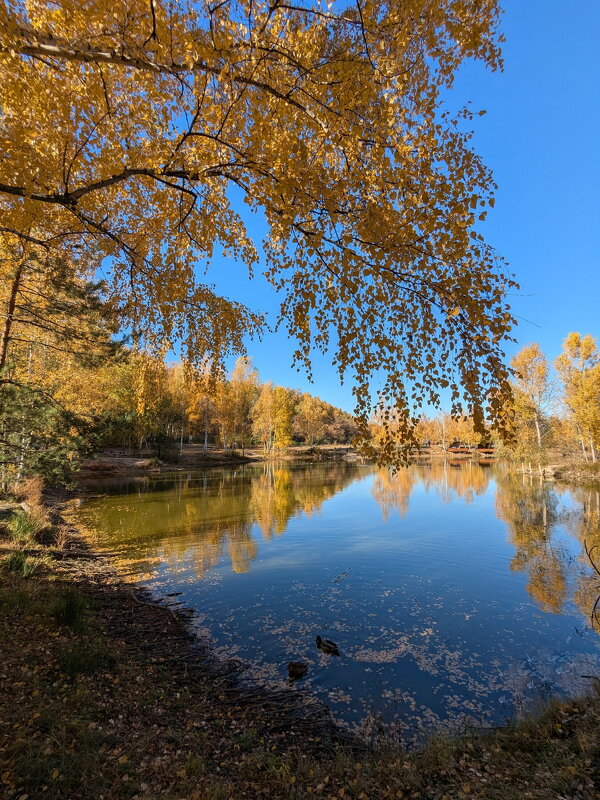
(327, 646)
(297, 669)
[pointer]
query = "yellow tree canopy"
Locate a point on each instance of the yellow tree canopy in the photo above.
(579, 369)
(124, 125)
(531, 376)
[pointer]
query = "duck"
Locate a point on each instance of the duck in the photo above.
(327, 646)
(297, 669)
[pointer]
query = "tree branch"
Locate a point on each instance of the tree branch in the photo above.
(64, 52)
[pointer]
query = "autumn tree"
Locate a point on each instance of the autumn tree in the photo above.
(244, 391)
(110, 395)
(201, 402)
(223, 416)
(150, 382)
(284, 414)
(425, 430)
(442, 424)
(341, 427)
(263, 416)
(125, 124)
(233, 404)
(464, 431)
(310, 418)
(578, 367)
(533, 390)
(56, 328)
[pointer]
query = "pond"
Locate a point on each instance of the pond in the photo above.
(458, 594)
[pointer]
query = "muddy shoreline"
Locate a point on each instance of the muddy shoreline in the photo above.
(161, 630)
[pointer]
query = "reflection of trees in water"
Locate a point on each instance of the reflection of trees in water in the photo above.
(214, 513)
(391, 490)
(281, 492)
(270, 497)
(462, 479)
(530, 508)
(586, 526)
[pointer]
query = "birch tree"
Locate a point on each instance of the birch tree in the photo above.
(533, 388)
(127, 127)
(579, 369)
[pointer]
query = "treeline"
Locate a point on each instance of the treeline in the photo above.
(555, 406)
(67, 385)
(145, 402)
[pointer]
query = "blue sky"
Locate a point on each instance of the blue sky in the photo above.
(541, 138)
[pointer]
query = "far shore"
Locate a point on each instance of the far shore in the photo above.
(122, 462)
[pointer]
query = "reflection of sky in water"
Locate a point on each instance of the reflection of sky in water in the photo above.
(455, 594)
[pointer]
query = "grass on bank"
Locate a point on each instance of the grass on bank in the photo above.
(87, 714)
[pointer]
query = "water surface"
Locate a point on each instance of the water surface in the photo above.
(457, 593)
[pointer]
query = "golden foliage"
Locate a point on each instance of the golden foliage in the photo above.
(579, 369)
(284, 411)
(126, 124)
(532, 395)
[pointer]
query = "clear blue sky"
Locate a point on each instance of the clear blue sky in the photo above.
(541, 138)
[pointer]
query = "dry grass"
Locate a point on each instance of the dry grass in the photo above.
(29, 523)
(30, 491)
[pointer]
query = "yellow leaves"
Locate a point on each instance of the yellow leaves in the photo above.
(334, 133)
(579, 369)
(283, 418)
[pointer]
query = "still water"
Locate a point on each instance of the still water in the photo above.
(457, 593)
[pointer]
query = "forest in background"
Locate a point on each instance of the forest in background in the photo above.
(555, 407)
(70, 386)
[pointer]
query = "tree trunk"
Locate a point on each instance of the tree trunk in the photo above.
(538, 432)
(10, 314)
(182, 430)
(585, 455)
